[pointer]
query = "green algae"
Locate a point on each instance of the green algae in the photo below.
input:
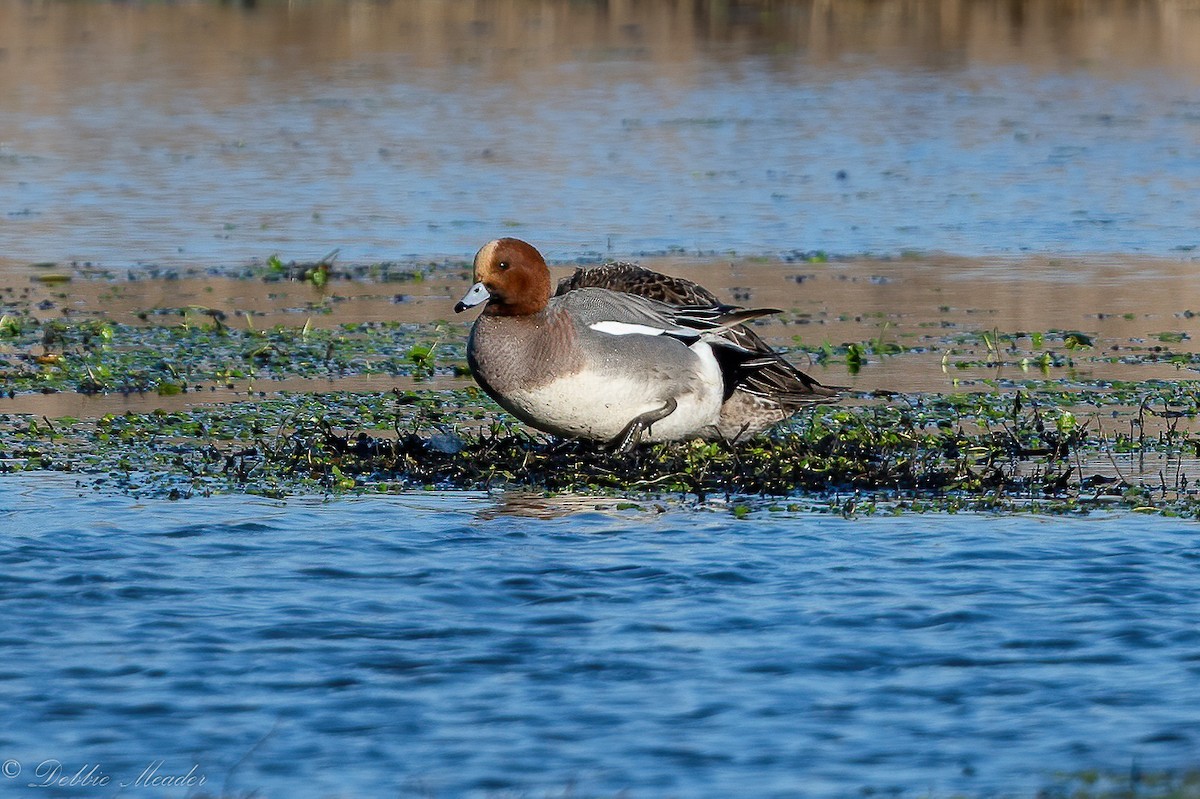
(1042, 438)
(989, 452)
(1135, 783)
(91, 356)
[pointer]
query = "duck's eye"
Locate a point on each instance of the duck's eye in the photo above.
(503, 265)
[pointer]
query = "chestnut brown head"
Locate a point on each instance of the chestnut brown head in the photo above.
(511, 276)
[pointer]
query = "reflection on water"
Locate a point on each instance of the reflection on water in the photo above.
(206, 133)
(536, 505)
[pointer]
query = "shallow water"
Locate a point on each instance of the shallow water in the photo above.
(436, 646)
(205, 133)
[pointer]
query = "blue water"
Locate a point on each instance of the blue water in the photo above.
(132, 158)
(429, 645)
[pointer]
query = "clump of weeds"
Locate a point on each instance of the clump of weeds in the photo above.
(935, 452)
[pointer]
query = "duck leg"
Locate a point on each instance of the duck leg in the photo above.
(629, 437)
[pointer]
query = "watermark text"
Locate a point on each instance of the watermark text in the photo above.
(52, 773)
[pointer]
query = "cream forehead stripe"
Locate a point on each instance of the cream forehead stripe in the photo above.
(486, 252)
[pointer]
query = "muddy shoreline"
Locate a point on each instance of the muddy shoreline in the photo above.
(1008, 381)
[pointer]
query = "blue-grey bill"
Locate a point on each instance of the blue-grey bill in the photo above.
(473, 297)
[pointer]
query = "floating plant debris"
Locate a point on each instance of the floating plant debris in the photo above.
(279, 385)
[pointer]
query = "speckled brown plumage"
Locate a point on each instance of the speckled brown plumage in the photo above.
(634, 279)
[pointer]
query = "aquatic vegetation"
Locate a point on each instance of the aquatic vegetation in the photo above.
(1037, 431)
(321, 272)
(1132, 784)
(954, 452)
(90, 356)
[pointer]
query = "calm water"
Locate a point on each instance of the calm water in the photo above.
(427, 646)
(210, 134)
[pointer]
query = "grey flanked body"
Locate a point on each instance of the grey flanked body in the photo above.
(535, 367)
(762, 388)
(622, 354)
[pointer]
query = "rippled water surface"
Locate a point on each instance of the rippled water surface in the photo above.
(198, 133)
(434, 646)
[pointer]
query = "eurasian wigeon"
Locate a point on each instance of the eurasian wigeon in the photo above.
(622, 354)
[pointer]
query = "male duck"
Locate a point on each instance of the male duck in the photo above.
(622, 354)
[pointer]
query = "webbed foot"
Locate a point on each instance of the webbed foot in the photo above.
(631, 435)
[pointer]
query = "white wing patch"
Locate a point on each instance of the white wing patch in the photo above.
(626, 329)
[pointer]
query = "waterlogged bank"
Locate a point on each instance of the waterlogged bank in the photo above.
(1012, 384)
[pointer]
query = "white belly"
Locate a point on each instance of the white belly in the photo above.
(598, 405)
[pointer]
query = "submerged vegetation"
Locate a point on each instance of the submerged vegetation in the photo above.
(1133, 784)
(1023, 450)
(90, 356)
(1045, 438)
